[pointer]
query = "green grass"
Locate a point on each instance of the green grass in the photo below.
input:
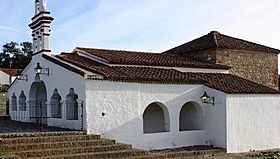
(3, 154)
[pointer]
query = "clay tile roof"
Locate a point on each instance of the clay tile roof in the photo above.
(64, 65)
(11, 71)
(224, 82)
(149, 59)
(217, 40)
(232, 84)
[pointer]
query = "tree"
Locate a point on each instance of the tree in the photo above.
(27, 48)
(19, 54)
(11, 48)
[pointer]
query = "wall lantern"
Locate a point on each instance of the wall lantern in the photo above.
(205, 98)
(22, 77)
(41, 70)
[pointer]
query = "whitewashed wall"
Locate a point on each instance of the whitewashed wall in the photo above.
(125, 103)
(253, 122)
(4, 78)
(59, 78)
(215, 116)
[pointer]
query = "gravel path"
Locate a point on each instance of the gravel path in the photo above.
(9, 126)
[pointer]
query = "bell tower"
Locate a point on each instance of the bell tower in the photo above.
(41, 28)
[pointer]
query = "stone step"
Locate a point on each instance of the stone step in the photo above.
(41, 134)
(151, 156)
(28, 140)
(12, 157)
(55, 145)
(100, 155)
(72, 151)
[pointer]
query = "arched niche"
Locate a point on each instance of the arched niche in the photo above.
(14, 102)
(191, 117)
(156, 118)
(72, 105)
(56, 105)
(22, 101)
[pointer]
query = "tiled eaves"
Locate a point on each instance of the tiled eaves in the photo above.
(79, 63)
(232, 84)
(64, 65)
(11, 71)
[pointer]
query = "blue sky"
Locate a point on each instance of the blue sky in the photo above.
(143, 25)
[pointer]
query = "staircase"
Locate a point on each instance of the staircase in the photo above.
(78, 145)
(70, 145)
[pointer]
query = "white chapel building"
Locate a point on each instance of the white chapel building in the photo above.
(149, 100)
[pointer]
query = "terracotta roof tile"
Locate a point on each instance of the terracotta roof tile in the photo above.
(149, 59)
(224, 82)
(52, 59)
(233, 84)
(11, 71)
(216, 40)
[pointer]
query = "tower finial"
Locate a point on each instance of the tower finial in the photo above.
(40, 27)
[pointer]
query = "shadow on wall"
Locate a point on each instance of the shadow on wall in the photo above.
(132, 133)
(152, 131)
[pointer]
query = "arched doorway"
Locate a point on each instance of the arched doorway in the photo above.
(37, 101)
(191, 117)
(156, 118)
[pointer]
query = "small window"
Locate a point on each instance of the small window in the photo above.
(22, 101)
(14, 102)
(72, 105)
(56, 104)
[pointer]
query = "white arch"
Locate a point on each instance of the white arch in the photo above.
(37, 101)
(191, 117)
(156, 118)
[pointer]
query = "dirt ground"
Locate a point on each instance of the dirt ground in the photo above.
(216, 153)
(273, 154)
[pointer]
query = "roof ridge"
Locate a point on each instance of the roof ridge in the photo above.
(247, 41)
(214, 39)
(128, 51)
(215, 34)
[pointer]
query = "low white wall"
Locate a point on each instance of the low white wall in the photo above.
(124, 103)
(253, 122)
